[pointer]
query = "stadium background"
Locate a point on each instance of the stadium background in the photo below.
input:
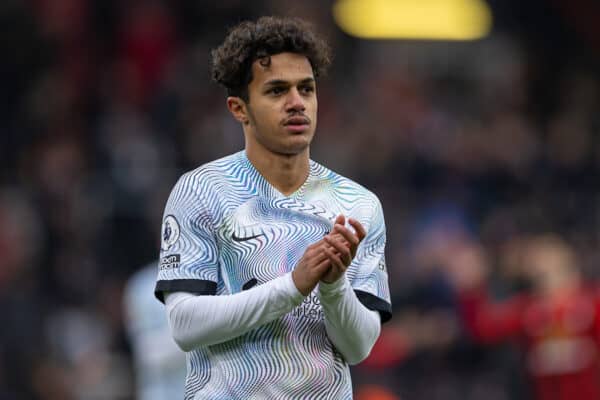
(104, 103)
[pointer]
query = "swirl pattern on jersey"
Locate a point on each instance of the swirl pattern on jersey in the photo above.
(235, 228)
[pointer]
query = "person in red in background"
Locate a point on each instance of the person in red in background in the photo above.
(558, 321)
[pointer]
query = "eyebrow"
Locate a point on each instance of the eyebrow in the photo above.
(278, 82)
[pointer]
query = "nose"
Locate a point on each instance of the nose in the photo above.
(295, 102)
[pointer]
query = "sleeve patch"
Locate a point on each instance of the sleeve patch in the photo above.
(170, 232)
(170, 262)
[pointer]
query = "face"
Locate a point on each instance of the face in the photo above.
(281, 114)
(549, 267)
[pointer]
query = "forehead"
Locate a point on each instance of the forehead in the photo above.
(284, 66)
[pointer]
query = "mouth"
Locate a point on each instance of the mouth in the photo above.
(297, 124)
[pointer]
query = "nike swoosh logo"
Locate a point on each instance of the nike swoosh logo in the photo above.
(246, 238)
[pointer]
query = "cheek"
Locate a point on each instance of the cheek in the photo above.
(312, 107)
(267, 120)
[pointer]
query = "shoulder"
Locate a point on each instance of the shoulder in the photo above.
(346, 189)
(213, 172)
(201, 191)
(209, 182)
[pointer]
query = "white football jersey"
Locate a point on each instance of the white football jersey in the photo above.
(226, 229)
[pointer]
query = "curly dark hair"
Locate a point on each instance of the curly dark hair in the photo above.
(250, 41)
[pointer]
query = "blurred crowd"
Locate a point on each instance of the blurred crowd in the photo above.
(485, 155)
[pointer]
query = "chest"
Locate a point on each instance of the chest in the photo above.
(262, 239)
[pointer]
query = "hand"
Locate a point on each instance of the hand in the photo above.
(311, 267)
(341, 248)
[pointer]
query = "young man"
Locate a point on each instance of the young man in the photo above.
(272, 266)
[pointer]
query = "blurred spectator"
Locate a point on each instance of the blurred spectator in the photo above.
(159, 363)
(557, 321)
(20, 249)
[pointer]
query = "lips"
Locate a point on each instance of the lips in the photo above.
(297, 124)
(296, 121)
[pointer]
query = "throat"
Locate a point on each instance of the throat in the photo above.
(287, 184)
(286, 173)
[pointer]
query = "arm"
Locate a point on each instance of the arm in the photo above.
(351, 327)
(206, 320)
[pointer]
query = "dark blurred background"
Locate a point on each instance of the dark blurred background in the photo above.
(480, 145)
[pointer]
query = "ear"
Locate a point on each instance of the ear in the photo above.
(237, 108)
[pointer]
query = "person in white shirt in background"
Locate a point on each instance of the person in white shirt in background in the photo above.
(159, 364)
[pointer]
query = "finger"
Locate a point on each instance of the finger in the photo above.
(326, 245)
(314, 249)
(343, 250)
(332, 249)
(339, 238)
(340, 219)
(347, 234)
(350, 237)
(351, 250)
(323, 266)
(337, 244)
(335, 260)
(361, 233)
(315, 254)
(318, 258)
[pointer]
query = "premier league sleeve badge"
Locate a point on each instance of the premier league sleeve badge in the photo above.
(170, 232)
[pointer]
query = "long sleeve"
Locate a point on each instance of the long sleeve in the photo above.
(351, 327)
(206, 320)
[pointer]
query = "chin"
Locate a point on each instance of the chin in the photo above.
(291, 151)
(295, 147)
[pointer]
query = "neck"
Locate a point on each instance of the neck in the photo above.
(285, 172)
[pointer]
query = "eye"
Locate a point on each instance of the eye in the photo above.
(277, 90)
(307, 89)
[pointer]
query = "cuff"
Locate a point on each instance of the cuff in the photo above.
(290, 287)
(337, 288)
